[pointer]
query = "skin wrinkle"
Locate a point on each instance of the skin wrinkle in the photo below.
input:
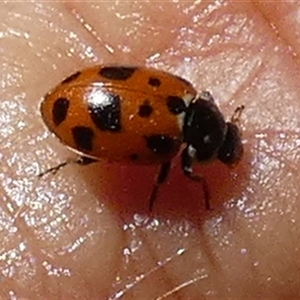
(261, 225)
(88, 27)
(273, 16)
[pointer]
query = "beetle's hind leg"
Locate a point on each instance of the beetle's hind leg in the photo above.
(82, 160)
(160, 179)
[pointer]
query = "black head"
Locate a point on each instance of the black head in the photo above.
(232, 149)
(204, 128)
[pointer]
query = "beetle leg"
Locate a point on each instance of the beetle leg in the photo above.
(82, 160)
(160, 179)
(186, 166)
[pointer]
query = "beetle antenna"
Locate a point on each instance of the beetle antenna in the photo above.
(235, 119)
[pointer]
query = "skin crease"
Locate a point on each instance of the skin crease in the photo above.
(70, 237)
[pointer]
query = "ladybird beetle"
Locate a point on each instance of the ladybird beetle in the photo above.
(143, 116)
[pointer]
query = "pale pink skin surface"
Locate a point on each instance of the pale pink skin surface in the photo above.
(84, 233)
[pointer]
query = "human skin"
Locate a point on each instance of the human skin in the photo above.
(86, 233)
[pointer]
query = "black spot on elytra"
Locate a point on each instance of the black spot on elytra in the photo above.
(60, 110)
(160, 144)
(145, 110)
(105, 111)
(83, 137)
(71, 77)
(175, 105)
(155, 82)
(117, 73)
(134, 156)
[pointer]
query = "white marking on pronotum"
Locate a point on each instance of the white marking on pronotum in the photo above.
(187, 98)
(191, 151)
